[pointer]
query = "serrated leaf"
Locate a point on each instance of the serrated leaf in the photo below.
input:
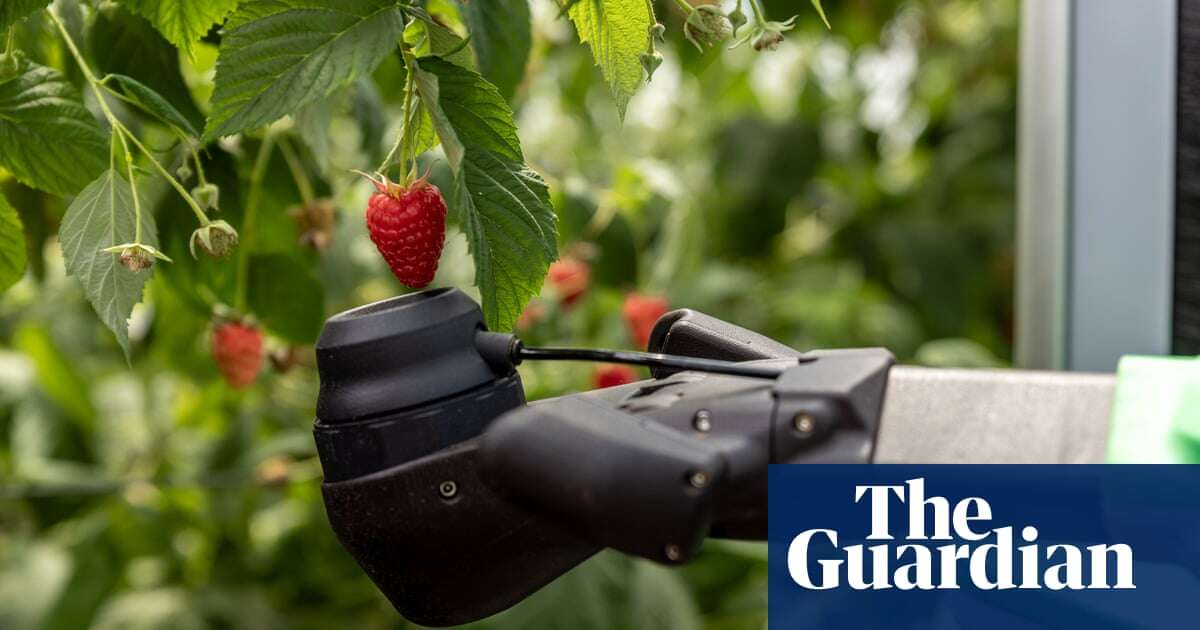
(48, 139)
(504, 207)
(124, 43)
(280, 55)
(618, 33)
(500, 38)
(12, 246)
(183, 22)
(286, 297)
(430, 37)
(13, 11)
(154, 104)
(101, 216)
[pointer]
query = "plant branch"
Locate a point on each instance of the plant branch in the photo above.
(115, 124)
(303, 184)
(253, 198)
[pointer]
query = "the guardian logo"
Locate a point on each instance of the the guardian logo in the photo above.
(989, 559)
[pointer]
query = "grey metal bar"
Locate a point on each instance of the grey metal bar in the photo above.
(1042, 167)
(1095, 182)
(941, 416)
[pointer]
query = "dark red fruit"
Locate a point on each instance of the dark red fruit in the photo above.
(238, 352)
(641, 312)
(613, 375)
(408, 226)
(569, 278)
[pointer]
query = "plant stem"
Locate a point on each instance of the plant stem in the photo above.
(137, 203)
(298, 175)
(759, 15)
(117, 127)
(685, 7)
(257, 174)
(12, 33)
(199, 212)
(404, 140)
(199, 165)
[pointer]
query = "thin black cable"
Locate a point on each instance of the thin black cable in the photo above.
(650, 359)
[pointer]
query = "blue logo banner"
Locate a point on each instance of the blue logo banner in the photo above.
(963, 547)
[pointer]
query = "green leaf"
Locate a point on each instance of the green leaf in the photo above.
(123, 43)
(13, 11)
(12, 246)
(504, 207)
(659, 598)
(154, 104)
(287, 298)
(280, 55)
(48, 139)
(500, 37)
(103, 216)
(183, 22)
(430, 37)
(618, 33)
(821, 12)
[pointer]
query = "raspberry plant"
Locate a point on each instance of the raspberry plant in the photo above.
(107, 121)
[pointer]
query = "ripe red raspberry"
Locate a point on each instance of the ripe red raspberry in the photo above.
(408, 226)
(641, 312)
(613, 375)
(238, 352)
(569, 278)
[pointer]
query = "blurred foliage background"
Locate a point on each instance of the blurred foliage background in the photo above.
(853, 187)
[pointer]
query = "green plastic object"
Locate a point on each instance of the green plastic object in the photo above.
(1155, 415)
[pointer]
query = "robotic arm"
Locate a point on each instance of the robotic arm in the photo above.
(459, 499)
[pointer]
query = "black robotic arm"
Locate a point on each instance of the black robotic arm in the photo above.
(459, 500)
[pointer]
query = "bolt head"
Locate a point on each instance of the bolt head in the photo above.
(673, 553)
(804, 423)
(702, 422)
(698, 479)
(448, 489)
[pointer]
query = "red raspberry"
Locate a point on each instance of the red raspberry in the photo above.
(613, 375)
(569, 278)
(238, 351)
(641, 312)
(408, 226)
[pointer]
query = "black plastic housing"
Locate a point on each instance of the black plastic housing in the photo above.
(459, 500)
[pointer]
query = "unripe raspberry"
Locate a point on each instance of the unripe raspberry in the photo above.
(707, 26)
(217, 239)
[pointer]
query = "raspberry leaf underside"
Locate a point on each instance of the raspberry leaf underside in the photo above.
(503, 206)
(101, 217)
